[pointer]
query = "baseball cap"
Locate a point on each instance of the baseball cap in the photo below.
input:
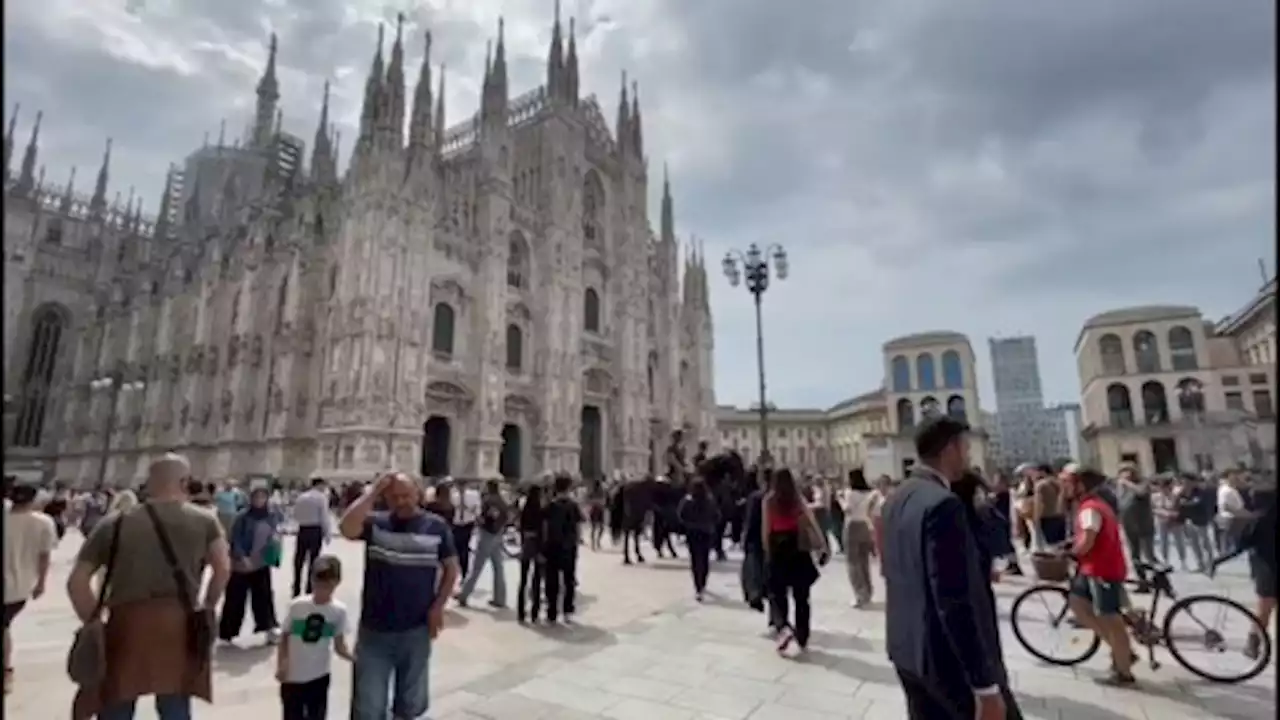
(327, 567)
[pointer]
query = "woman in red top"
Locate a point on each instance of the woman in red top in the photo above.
(791, 536)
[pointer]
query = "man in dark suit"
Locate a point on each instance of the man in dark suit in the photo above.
(940, 620)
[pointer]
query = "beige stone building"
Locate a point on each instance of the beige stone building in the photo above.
(925, 374)
(829, 441)
(1165, 389)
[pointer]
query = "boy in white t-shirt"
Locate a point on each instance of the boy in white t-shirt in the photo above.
(315, 627)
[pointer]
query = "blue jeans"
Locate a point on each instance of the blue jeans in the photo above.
(383, 658)
(1177, 533)
(1201, 542)
(168, 707)
(489, 552)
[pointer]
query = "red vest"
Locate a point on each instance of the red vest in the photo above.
(1105, 560)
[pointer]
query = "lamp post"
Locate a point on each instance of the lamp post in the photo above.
(754, 264)
(115, 385)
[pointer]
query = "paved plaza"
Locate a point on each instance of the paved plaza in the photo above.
(644, 650)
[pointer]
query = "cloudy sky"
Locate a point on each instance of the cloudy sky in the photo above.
(994, 167)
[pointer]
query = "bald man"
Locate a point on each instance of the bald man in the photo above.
(410, 569)
(152, 597)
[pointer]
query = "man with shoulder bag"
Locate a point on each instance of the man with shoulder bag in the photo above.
(156, 639)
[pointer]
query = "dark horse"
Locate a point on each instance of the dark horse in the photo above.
(726, 478)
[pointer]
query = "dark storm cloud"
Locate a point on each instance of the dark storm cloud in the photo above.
(989, 167)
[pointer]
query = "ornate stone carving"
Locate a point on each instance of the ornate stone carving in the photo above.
(255, 354)
(226, 406)
(211, 362)
(206, 414)
(184, 416)
(233, 351)
(300, 405)
(277, 398)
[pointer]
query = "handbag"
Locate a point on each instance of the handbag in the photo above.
(272, 554)
(87, 658)
(200, 635)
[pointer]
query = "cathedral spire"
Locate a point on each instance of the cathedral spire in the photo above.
(555, 59)
(371, 113)
(440, 126)
(571, 66)
(500, 67)
(322, 161)
(27, 180)
(98, 203)
(420, 127)
(268, 99)
(668, 211)
(623, 130)
(493, 101)
(68, 196)
(8, 140)
(637, 132)
(395, 89)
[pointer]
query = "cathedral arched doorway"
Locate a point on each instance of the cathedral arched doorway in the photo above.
(512, 450)
(590, 441)
(436, 439)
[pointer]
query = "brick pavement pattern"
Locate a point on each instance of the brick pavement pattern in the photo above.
(644, 650)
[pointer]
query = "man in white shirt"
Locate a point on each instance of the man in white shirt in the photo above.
(1232, 511)
(466, 503)
(311, 514)
(29, 539)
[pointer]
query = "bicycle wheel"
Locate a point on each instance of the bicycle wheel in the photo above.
(1191, 641)
(1043, 609)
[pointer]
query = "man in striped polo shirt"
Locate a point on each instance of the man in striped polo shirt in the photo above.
(411, 567)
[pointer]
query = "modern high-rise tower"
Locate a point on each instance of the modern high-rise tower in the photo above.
(1027, 431)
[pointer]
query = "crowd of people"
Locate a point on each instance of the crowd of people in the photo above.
(202, 556)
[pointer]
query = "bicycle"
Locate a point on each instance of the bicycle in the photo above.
(1142, 623)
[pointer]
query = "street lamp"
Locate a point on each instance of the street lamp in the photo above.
(754, 264)
(115, 384)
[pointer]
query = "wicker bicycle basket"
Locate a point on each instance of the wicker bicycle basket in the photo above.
(1051, 567)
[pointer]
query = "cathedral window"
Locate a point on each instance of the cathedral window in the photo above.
(592, 210)
(281, 299)
(653, 369)
(517, 261)
(47, 328)
(591, 311)
(442, 330)
(515, 348)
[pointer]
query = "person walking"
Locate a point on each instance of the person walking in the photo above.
(410, 568)
(941, 633)
(315, 527)
(1195, 507)
(533, 530)
(855, 502)
(1169, 523)
(466, 502)
(29, 539)
(792, 536)
(1098, 597)
(157, 638)
(560, 550)
(494, 514)
(699, 515)
(1133, 497)
(255, 552)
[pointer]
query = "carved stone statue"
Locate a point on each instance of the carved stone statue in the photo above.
(233, 351)
(255, 355)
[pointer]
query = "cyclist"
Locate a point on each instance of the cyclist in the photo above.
(1097, 592)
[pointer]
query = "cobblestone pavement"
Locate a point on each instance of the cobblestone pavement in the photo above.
(644, 649)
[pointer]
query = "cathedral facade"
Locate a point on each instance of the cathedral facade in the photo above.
(484, 299)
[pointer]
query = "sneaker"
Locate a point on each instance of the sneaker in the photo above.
(273, 637)
(1252, 648)
(1116, 678)
(785, 636)
(462, 601)
(497, 605)
(698, 596)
